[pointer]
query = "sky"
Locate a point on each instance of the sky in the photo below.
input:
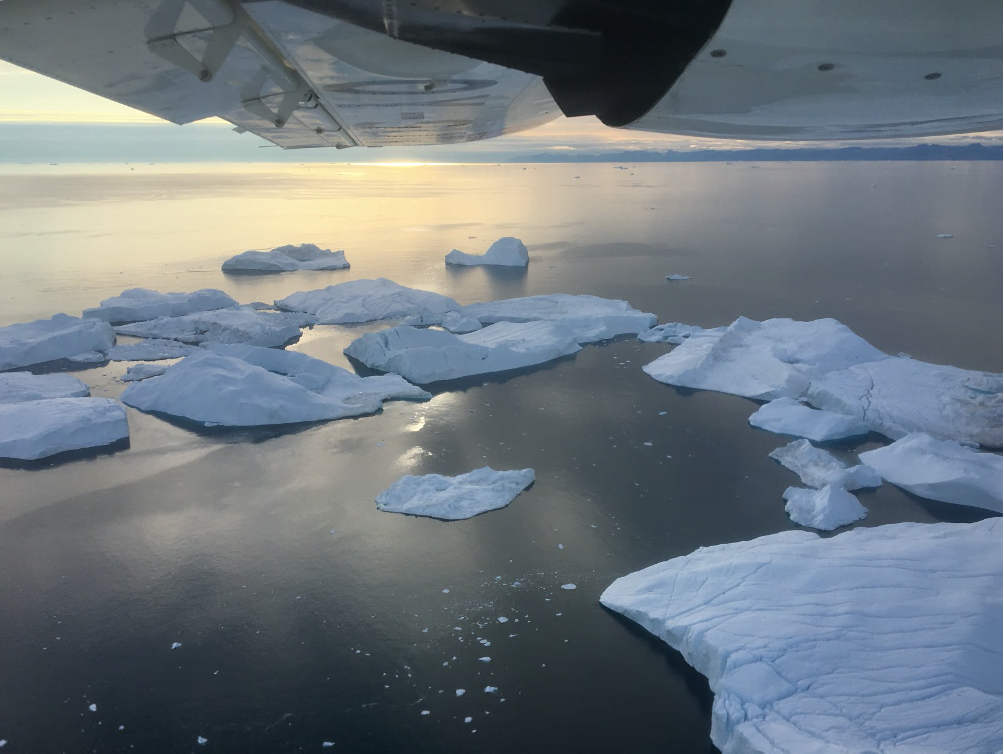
(45, 121)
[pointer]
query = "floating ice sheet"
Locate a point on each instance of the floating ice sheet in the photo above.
(30, 430)
(817, 468)
(454, 498)
(16, 387)
(506, 252)
(826, 509)
(58, 337)
(358, 301)
(787, 416)
(244, 325)
(139, 304)
(152, 349)
(306, 256)
(884, 639)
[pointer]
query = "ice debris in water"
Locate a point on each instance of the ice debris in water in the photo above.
(201, 741)
(503, 619)
(787, 416)
(16, 387)
(35, 429)
(675, 333)
(425, 356)
(59, 337)
(327, 744)
(677, 276)
(176, 645)
(454, 498)
(817, 468)
(306, 256)
(484, 659)
(945, 235)
(233, 385)
(243, 325)
(139, 372)
(877, 639)
(152, 349)
(461, 692)
(506, 252)
(568, 586)
(491, 689)
(826, 509)
(139, 304)
(93, 707)
(366, 301)
(940, 470)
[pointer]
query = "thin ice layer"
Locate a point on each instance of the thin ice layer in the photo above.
(425, 356)
(786, 416)
(454, 498)
(30, 430)
(817, 468)
(58, 337)
(940, 470)
(776, 358)
(140, 304)
(358, 301)
(825, 509)
(306, 256)
(884, 639)
(244, 325)
(505, 252)
(900, 396)
(152, 349)
(16, 387)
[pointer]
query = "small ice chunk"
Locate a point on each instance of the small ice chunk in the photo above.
(366, 301)
(447, 591)
(306, 256)
(92, 707)
(787, 416)
(327, 744)
(425, 712)
(491, 689)
(454, 498)
(945, 235)
(940, 470)
(828, 508)
(201, 741)
(244, 325)
(30, 430)
(152, 349)
(89, 357)
(461, 692)
(458, 324)
(561, 547)
(818, 468)
(176, 645)
(484, 659)
(506, 252)
(16, 387)
(468, 719)
(139, 372)
(677, 276)
(58, 337)
(140, 304)
(568, 586)
(503, 619)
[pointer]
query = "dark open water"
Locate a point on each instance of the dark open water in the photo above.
(302, 610)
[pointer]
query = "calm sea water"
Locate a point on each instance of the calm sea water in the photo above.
(304, 614)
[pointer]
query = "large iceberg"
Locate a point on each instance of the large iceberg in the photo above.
(152, 349)
(425, 356)
(58, 337)
(786, 416)
(940, 470)
(592, 318)
(817, 468)
(826, 509)
(776, 358)
(506, 252)
(35, 429)
(675, 333)
(241, 325)
(900, 396)
(453, 498)
(139, 304)
(358, 301)
(16, 387)
(306, 256)
(884, 639)
(238, 386)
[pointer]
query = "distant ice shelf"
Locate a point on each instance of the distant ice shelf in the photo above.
(454, 498)
(306, 256)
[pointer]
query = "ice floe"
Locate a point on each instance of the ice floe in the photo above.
(458, 324)
(828, 508)
(89, 357)
(787, 416)
(592, 318)
(306, 256)
(142, 371)
(817, 468)
(454, 498)
(506, 252)
(898, 396)
(940, 470)
(241, 325)
(58, 337)
(152, 349)
(878, 639)
(776, 358)
(677, 276)
(235, 385)
(358, 301)
(139, 304)
(675, 332)
(30, 430)
(424, 356)
(16, 387)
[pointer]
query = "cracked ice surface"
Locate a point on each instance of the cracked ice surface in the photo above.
(818, 468)
(884, 639)
(506, 252)
(139, 304)
(30, 430)
(59, 337)
(900, 396)
(454, 498)
(244, 325)
(777, 358)
(940, 470)
(826, 509)
(306, 256)
(787, 416)
(359, 301)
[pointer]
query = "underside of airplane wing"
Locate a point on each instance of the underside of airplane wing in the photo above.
(343, 73)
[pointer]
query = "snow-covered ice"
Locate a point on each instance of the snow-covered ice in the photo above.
(828, 508)
(506, 252)
(30, 430)
(241, 325)
(139, 372)
(358, 301)
(786, 416)
(423, 355)
(675, 333)
(776, 358)
(138, 304)
(454, 498)
(235, 385)
(458, 324)
(306, 256)
(58, 337)
(818, 468)
(16, 387)
(884, 639)
(152, 349)
(677, 276)
(940, 470)
(898, 396)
